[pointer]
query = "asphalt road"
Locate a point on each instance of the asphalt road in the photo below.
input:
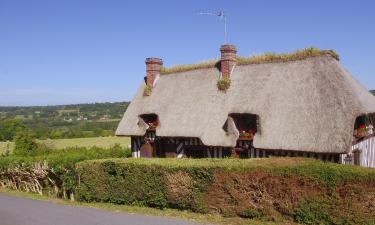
(20, 211)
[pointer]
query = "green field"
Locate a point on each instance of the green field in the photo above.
(102, 142)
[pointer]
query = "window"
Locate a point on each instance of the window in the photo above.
(363, 126)
(151, 120)
(247, 124)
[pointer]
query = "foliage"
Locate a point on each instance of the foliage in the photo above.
(256, 59)
(100, 142)
(303, 190)
(251, 214)
(311, 211)
(373, 92)
(65, 121)
(9, 128)
(147, 90)
(133, 183)
(24, 144)
(61, 172)
(223, 84)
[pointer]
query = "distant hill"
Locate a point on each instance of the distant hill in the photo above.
(373, 92)
(67, 121)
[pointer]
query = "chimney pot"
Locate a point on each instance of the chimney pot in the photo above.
(228, 59)
(153, 66)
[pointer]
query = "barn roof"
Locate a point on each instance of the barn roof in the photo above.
(306, 104)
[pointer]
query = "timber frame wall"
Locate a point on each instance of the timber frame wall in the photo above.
(194, 148)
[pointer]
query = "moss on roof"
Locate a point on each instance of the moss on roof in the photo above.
(256, 59)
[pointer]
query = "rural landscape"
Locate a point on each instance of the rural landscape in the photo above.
(110, 113)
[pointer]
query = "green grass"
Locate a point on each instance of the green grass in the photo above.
(180, 214)
(101, 142)
(5, 145)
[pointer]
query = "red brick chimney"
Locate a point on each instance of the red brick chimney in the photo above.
(153, 66)
(228, 60)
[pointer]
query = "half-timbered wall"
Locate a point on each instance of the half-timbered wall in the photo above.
(194, 148)
(366, 152)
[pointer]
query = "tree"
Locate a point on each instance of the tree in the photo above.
(24, 144)
(9, 128)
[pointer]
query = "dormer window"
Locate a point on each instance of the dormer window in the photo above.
(364, 126)
(151, 120)
(246, 124)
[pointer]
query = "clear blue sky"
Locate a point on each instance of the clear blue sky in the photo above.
(75, 51)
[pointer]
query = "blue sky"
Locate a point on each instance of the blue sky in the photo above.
(76, 51)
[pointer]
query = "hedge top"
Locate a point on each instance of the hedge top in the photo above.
(329, 174)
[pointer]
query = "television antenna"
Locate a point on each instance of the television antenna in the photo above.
(221, 16)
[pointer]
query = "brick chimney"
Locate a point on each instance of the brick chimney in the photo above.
(153, 66)
(228, 60)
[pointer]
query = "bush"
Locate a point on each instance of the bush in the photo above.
(265, 189)
(24, 144)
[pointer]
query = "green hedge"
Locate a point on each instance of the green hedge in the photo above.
(60, 167)
(304, 190)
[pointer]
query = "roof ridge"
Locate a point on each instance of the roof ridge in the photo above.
(256, 59)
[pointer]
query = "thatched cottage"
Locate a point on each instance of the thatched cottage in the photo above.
(299, 104)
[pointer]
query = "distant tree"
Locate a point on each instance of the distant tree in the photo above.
(24, 144)
(373, 92)
(9, 128)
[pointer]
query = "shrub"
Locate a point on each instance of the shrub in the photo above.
(24, 144)
(266, 189)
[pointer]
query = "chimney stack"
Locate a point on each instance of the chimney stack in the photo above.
(153, 66)
(228, 60)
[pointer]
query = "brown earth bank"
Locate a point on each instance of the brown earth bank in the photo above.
(276, 189)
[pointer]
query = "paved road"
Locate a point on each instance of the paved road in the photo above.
(19, 211)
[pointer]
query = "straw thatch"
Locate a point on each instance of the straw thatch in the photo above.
(304, 105)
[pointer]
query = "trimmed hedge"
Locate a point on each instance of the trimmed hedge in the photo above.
(304, 190)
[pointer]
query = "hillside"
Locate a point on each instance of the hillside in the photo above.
(65, 121)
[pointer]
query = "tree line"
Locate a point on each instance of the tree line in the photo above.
(55, 122)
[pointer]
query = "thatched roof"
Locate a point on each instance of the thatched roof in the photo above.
(305, 105)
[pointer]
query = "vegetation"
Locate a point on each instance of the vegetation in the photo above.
(65, 121)
(47, 171)
(147, 90)
(57, 144)
(373, 92)
(297, 55)
(257, 59)
(223, 84)
(183, 68)
(302, 190)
